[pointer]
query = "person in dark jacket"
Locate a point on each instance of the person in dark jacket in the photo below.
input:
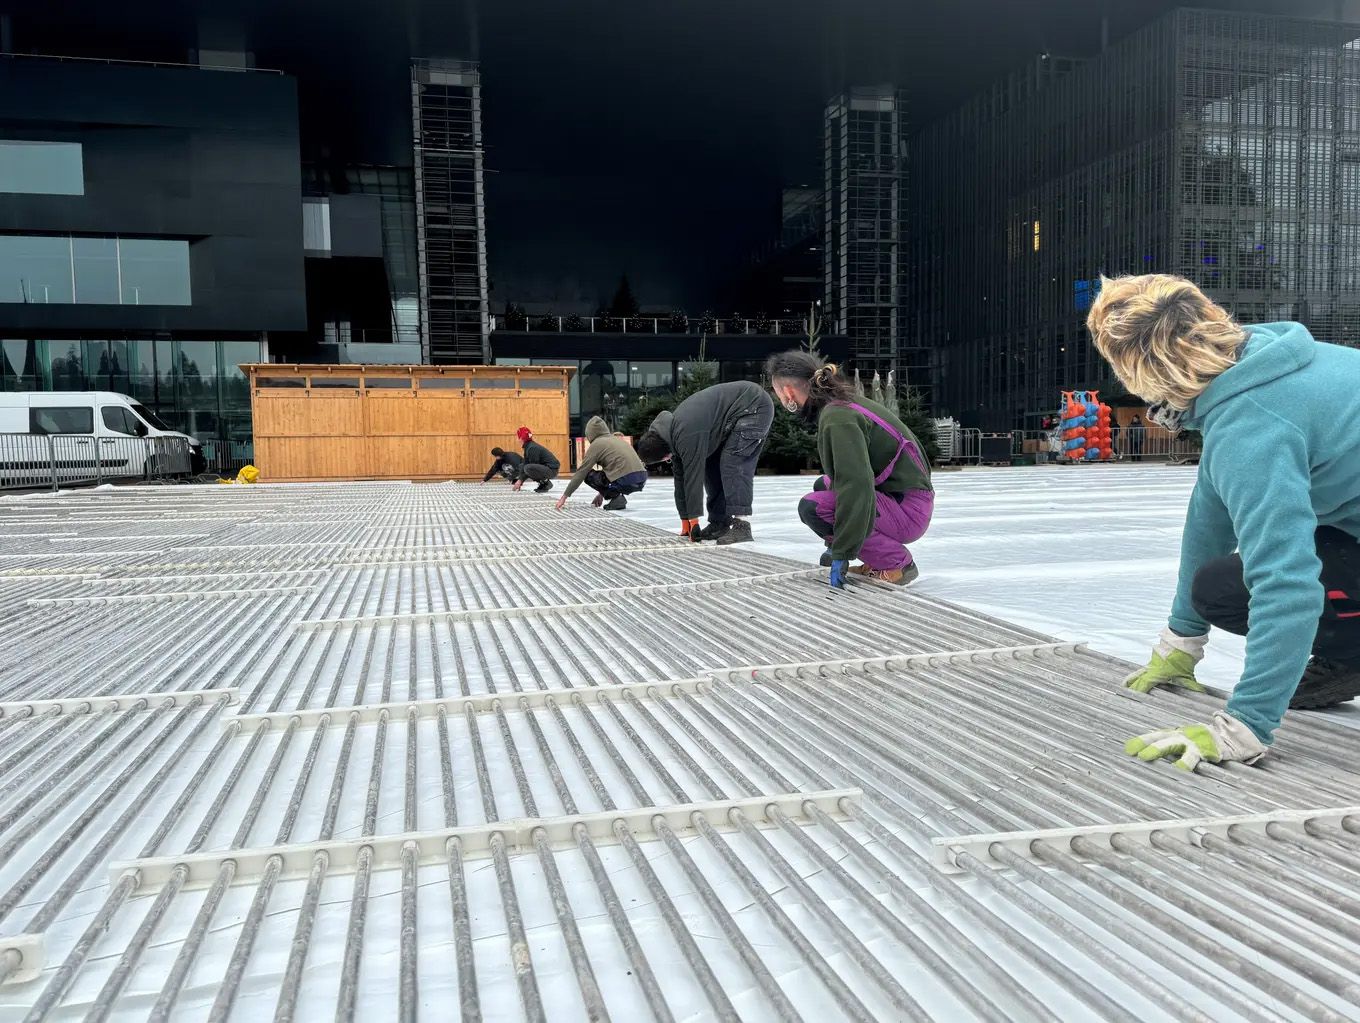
(1135, 437)
(506, 464)
(620, 470)
(540, 464)
(713, 439)
(876, 496)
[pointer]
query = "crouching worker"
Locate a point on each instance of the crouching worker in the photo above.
(620, 470)
(539, 464)
(713, 439)
(507, 464)
(876, 495)
(1279, 481)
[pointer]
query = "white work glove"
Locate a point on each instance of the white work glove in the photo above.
(1224, 738)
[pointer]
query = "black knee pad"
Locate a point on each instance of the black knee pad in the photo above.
(807, 512)
(821, 484)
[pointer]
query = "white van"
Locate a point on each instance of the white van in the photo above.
(43, 432)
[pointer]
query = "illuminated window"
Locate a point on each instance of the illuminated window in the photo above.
(1036, 236)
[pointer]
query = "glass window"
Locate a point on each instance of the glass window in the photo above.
(96, 269)
(120, 420)
(35, 268)
(442, 383)
(96, 359)
(19, 366)
(540, 383)
(373, 383)
(149, 416)
(61, 420)
(155, 271)
(282, 382)
(344, 382)
(235, 386)
(651, 376)
(493, 383)
(41, 168)
(67, 365)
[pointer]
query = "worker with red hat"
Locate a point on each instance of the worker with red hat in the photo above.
(540, 464)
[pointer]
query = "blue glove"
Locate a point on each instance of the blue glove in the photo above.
(838, 570)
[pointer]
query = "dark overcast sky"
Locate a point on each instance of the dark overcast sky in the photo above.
(642, 136)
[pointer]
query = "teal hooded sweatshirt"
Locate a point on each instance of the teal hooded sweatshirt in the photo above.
(1281, 457)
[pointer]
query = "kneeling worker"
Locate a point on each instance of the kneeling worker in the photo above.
(620, 470)
(713, 439)
(540, 464)
(506, 464)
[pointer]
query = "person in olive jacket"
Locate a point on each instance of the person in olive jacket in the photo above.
(713, 439)
(620, 470)
(540, 464)
(876, 496)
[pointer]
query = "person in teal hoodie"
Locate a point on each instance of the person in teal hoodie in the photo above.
(1279, 483)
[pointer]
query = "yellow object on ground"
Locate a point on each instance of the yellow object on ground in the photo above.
(248, 474)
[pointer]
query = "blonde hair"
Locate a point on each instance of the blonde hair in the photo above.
(1164, 337)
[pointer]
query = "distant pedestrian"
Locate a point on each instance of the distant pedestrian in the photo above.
(1114, 432)
(620, 470)
(540, 464)
(713, 439)
(1135, 438)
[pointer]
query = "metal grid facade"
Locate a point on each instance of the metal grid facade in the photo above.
(446, 102)
(1223, 147)
(866, 230)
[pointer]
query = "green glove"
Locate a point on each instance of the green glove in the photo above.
(1222, 739)
(1173, 664)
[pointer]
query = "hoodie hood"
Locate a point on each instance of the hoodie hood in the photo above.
(662, 425)
(596, 428)
(1272, 350)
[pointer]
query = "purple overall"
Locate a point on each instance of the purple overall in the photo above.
(899, 519)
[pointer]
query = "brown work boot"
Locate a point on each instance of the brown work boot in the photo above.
(896, 576)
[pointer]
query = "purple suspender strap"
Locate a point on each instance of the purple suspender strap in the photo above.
(902, 443)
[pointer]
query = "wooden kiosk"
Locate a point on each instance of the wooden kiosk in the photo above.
(327, 422)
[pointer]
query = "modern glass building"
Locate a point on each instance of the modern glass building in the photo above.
(138, 253)
(867, 232)
(1224, 147)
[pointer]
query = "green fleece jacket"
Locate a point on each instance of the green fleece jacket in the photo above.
(1281, 457)
(853, 452)
(612, 454)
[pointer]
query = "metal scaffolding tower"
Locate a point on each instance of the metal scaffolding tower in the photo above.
(446, 121)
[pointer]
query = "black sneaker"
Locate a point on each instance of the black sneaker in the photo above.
(739, 531)
(1325, 684)
(543, 487)
(617, 504)
(826, 558)
(713, 530)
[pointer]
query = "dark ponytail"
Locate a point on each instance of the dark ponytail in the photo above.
(822, 379)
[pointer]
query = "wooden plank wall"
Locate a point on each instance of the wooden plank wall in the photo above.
(401, 422)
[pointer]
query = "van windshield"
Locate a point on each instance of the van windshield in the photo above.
(149, 416)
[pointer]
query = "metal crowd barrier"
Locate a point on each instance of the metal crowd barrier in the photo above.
(29, 460)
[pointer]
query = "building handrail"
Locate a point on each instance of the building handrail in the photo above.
(140, 63)
(534, 324)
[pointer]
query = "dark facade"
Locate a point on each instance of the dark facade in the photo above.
(207, 158)
(866, 234)
(1222, 147)
(450, 203)
(150, 234)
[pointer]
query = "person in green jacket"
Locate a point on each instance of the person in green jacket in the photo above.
(620, 470)
(876, 495)
(1279, 482)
